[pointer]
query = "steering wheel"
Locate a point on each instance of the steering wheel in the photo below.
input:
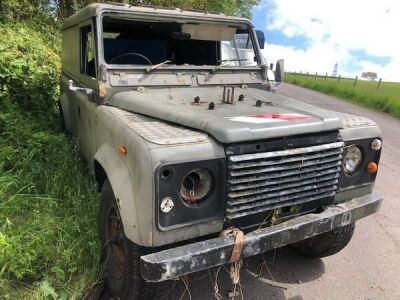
(131, 53)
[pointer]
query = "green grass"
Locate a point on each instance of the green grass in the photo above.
(48, 213)
(365, 93)
(49, 245)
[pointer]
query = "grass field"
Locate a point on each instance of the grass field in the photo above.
(365, 93)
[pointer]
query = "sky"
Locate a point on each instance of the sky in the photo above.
(313, 35)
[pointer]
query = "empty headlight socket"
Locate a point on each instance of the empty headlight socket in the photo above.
(168, 181)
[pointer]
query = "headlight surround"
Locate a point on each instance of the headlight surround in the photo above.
(352, 159)
(207, 181)
(196, 185)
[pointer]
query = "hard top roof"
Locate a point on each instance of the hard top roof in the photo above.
(96, 9)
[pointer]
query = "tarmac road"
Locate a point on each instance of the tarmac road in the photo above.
(368, 268)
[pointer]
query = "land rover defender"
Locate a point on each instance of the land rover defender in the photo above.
(174, 112)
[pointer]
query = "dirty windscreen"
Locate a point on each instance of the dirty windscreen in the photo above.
(127, 42)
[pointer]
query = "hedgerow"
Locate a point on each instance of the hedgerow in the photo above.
(29, 68)
(48, 200)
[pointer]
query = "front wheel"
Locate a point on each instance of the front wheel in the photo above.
(121, 258)
(327, 243)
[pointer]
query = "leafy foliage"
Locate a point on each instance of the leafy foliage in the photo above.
(229, 7)
(48, 208)
(29, 68)
(55, 11)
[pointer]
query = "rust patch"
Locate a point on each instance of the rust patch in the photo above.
(102, 91)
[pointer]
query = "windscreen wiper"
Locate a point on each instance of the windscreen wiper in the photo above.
(225, 61)
(149, 69)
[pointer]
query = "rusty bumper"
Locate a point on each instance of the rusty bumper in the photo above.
(198, 256)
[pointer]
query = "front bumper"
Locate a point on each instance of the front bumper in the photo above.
(199, 256)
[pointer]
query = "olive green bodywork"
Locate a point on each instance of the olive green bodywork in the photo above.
(154, 118)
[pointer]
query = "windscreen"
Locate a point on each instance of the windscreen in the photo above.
(127, 42)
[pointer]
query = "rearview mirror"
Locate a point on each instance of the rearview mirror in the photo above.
(279, 71)
(260, 38)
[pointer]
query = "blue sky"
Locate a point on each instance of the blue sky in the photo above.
(313, 35)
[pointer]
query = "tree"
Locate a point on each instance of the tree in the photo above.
(55, 11)
(369, 75)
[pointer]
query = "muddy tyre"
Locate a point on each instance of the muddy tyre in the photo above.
(326, 244)
(121, 258)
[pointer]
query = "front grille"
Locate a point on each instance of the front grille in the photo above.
(264, 181)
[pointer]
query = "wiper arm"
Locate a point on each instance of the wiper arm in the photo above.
(149, 69)
(225, 61)
(232, 59)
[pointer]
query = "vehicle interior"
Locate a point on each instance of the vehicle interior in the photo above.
(128, 42)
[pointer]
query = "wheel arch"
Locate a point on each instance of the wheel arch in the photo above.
(99, 173)
(109, 165)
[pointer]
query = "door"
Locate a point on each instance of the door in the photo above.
(83, 90)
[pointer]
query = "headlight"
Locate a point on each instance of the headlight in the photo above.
(196, 185)
(352, 159)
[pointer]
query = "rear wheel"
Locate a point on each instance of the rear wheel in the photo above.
(326, 244)
(120, 256)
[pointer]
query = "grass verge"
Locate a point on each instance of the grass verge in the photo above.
(48, 212)
(365, 93)
(48, 201)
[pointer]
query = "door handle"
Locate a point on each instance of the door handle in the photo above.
(78, 89)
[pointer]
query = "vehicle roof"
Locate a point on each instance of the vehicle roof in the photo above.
(96, 9)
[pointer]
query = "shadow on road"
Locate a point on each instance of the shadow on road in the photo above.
(262, 277)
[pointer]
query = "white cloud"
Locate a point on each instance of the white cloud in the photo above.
(335, 29)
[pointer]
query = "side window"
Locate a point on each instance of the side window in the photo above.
(87, 52)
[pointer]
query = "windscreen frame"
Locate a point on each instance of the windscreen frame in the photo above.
(140, 17)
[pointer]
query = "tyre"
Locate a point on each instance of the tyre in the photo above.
(121, 258)
(327, 243)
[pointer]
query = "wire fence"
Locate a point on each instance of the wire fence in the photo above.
(326, 76)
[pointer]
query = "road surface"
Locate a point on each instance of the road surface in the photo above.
(368, 268)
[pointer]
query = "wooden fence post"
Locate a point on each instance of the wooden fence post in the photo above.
(338, 79)
(316, 74)
(379, 84)
(355, 81)
(326, 76)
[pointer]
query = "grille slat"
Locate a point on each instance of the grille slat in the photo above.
(285, 166)
(321, 170)
(234, 215)
(297, 158)
(282, 195)
(304, 150)
(308, 183)
(287, 198)
(329, 174)
(268, 180)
